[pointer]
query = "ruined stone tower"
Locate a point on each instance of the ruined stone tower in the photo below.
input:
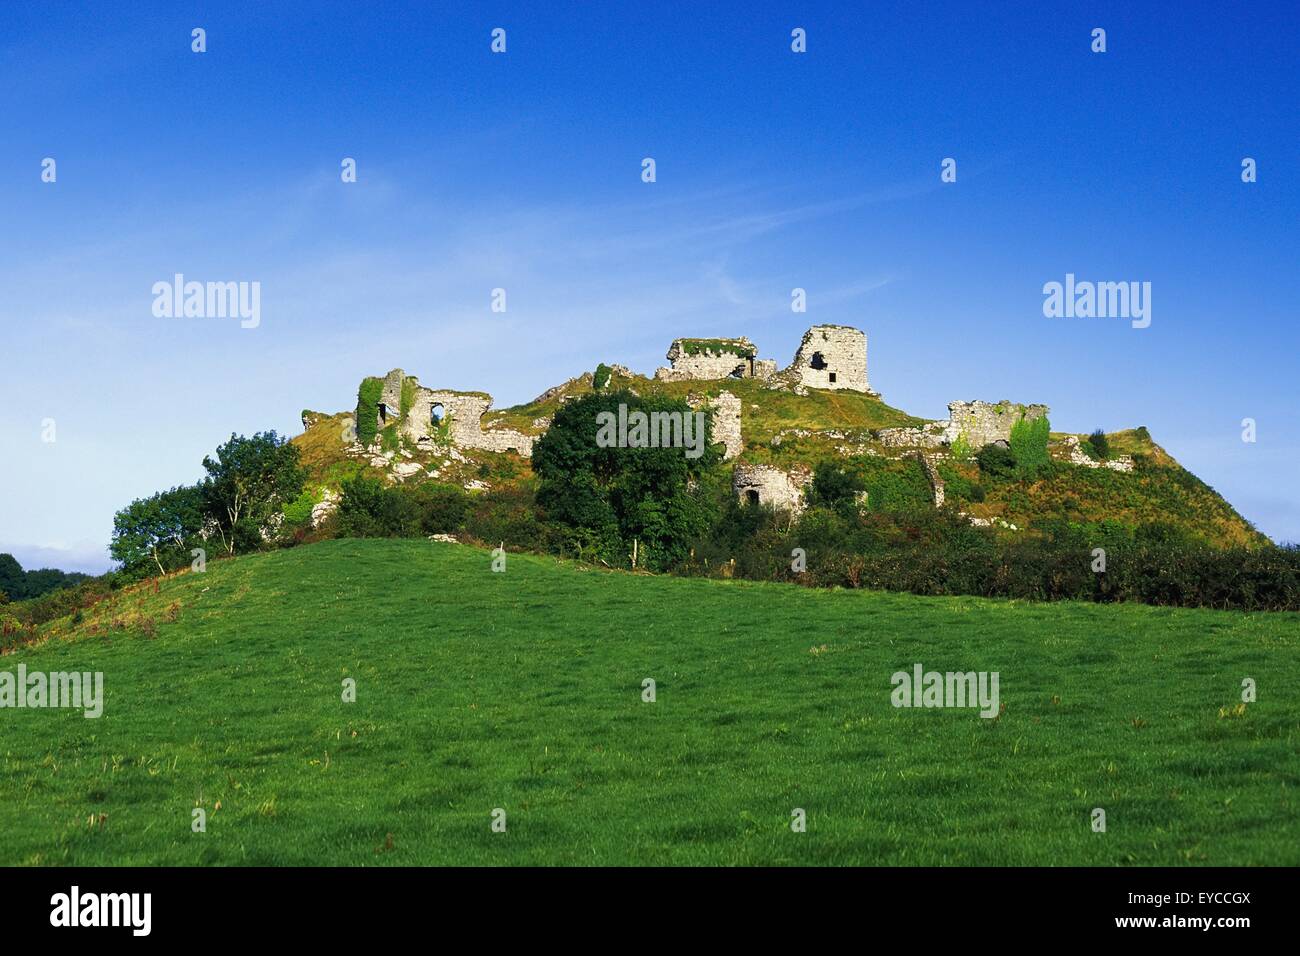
(832, 356)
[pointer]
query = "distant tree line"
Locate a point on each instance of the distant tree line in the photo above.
(19, 585)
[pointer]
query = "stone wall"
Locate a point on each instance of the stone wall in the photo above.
(981, 423)
(932, 476)
(976, 423)
(770, 487)
(390, 399)
(930, 435)
(726, 424)
(460, 415)
(832, 356)
(709, 359)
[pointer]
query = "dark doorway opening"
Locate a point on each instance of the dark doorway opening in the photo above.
(817, 361)
(751, 497)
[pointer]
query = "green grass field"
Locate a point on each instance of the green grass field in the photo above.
(522, 690)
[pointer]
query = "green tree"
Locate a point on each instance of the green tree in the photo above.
(161, 529)
(248, 482)
(615, 495)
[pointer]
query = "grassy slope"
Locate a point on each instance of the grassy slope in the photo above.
(522, 690)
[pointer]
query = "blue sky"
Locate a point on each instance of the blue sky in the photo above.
(522, 170)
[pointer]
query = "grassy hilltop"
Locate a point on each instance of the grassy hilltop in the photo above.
(522, 690)
(788, 430)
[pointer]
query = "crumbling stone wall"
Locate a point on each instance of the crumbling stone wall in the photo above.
(390, 399)
(710, 359)
(460, 418)
(771, 487)
(932, 476)
(980, 423)
(832, 356)
(929, 435)
(726, 422)
(976, 423)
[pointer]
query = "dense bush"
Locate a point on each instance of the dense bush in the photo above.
(1099, 445)
(996, 461)
(370, 509)
(297, 513)
(940, 553)
(442, 509)
(835, 486)
(52, 605)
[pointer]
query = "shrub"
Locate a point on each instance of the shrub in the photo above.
(1029, 446)
(996, 461)
(298, 512)
(441, 508)
(1099, 445)
(835, 485)
(368, 509)
(601, 377)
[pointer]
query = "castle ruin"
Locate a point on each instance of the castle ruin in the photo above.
(832, 357)
(829, 357)
(973, 424)
(440, 413)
